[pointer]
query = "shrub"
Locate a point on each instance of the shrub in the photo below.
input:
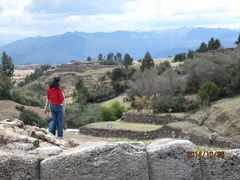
(107, 114)
(75, 117)
(31, 118)
(118, 109)
(164, 104)
(208, 92)
(5, 86)
(27, 97)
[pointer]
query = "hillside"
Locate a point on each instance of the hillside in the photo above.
(78, 45)
(223, 116)
(8, 110)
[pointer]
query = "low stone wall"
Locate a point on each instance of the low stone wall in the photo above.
(128, 134)
(163, 132)
(133, 117)
(163, 159)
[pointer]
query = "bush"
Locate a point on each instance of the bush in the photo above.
(118, 109)
(107, 114)
(27, 97)
(208, 92)
(5, 86)
(75, 117)
(165, 104)
(31, 118)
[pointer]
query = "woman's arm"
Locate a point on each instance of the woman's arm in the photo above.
(46, 106)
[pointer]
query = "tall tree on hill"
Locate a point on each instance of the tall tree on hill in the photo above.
(180, 57)
(89, 58)
(238, 41)
(110, 56)
(100, 56)
(7, 67)
(6, 73)
(203, 48)
(213, 44)
(81, 94)
(190, 54)
(147, 62)
(118, 56)
(127, 61)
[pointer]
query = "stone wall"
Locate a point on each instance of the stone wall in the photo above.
(163, 132)
(149, 118)
(163, 159)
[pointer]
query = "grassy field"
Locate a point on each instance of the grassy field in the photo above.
(118, 99)
(124, 126)
(191, 127)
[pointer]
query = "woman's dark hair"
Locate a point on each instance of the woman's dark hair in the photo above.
(55, 82)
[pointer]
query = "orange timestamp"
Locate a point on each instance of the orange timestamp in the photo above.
(208, 154)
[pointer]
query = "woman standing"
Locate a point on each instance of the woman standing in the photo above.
(55, 97)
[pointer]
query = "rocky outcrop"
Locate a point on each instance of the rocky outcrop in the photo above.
(13, 167)
(98, 161)
(17, 138)
(168, 159)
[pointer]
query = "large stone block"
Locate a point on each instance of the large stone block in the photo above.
(13, 167)
(168, 159)
(108, 161)
(227, 168)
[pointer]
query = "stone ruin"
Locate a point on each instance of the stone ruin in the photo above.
(161, 160)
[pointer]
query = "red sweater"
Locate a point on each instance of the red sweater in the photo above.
(55, 96)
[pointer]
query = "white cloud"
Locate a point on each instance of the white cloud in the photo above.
(23, 18)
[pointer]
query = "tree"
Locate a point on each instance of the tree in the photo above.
(5, 87)
(180, 57)
(208, 92)
(190, 54)
(117, 74)
(238, 41)
(89, 58)
(203, 48)
(147, 62)
(100, 56)
(213, 44)
(110, 56)
(127, 61)
(81, 94)
(118, 56)
(7, 67)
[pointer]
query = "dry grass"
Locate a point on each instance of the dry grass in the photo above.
(124, 126)
(8, 110)
(19, 75)
(223, 115)
(191, 127)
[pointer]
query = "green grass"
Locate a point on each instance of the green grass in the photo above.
(119, 99)
(124, 126)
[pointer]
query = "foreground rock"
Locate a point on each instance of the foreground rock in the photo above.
(22, 139)
(99, 161)
(168, 159)
(227, 168)
(14, 167)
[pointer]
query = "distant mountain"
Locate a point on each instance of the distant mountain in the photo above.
(78, 45)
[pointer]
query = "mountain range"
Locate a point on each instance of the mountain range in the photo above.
(69, 46)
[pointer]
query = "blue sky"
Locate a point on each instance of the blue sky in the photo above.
(25, 18)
